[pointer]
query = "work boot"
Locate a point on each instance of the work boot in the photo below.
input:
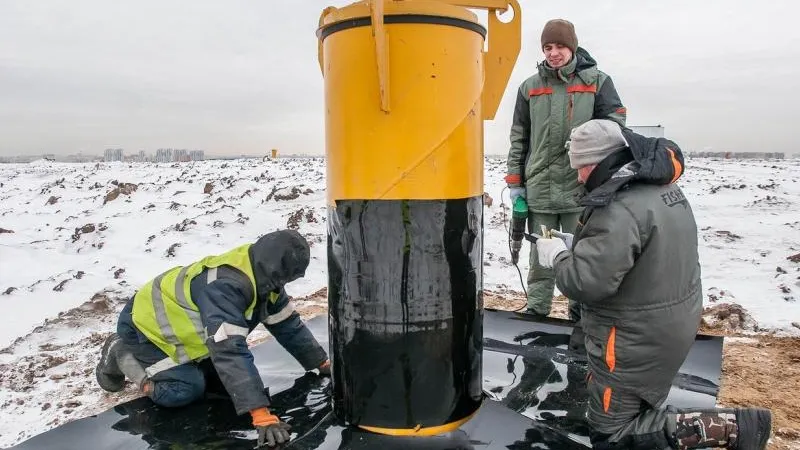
(739, 428)
(755, 425)
(108, 374)
(132, 368)
(577, 340)
(534, 314)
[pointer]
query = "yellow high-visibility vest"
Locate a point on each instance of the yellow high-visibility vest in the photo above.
(164, 312)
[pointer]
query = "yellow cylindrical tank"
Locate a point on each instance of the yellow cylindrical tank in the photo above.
(274, 153)
(407, 87)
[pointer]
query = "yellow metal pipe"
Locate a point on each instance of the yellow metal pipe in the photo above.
(407, 87)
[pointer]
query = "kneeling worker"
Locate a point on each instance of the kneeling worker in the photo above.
(206, 310)
(633, 267)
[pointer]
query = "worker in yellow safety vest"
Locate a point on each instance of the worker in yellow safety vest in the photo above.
(188, 326)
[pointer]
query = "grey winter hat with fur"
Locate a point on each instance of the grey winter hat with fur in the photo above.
(592, 141)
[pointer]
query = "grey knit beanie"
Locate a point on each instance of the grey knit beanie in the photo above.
(592, 141)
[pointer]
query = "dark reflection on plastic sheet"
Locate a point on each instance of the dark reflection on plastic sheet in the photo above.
(213, 423)
(540, 377)
(550, 385)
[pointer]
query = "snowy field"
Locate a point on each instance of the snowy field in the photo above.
(77, 239)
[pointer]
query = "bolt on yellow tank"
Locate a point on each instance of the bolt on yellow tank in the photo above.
(408, 84)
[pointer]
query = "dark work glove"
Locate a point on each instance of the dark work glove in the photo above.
(271, 430)
(276, 433)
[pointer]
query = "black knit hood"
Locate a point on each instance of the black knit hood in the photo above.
(278, 258)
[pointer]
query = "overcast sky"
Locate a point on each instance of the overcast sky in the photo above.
(235, 77)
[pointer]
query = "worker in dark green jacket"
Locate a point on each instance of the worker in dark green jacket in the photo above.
(633, 267)
(567, 91)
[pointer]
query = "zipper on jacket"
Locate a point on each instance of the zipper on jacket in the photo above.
(569, 110)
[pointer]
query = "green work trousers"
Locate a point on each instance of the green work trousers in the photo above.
(540, 280)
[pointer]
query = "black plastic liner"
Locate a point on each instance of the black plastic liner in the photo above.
(404, 282)
(535, 391)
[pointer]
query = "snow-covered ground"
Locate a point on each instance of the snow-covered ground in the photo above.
(85, 236)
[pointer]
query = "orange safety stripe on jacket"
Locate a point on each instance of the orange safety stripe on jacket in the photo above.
(676, 166)
(611, 355)
(540, 91)
(582, 88)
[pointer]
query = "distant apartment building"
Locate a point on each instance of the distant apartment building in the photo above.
(180, 155)
(21, 159)
(79, 158)
(113, 154)
(739, 155)
(163, 155)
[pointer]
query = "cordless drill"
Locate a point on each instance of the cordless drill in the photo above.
(519, 218)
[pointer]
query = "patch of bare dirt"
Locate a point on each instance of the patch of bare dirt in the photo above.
(735, 187)
(184, 225)
(3, 230)
(299, 216)
(311, 305)
(769, 200)
(285, 193)
(764, 371)
(728, 236)
(500, 219)
(171, 250)
(121, 188)
(88, 228)
(508, 300)
(726, 318)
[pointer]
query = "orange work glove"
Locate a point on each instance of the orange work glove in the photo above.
(270, 428)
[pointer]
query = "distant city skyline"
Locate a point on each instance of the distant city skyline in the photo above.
(235, 78)
(161, 155)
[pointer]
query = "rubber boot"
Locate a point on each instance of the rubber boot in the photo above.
(731, 428)
(108, 374)
(755, 425)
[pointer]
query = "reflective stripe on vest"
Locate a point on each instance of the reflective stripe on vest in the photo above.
(165, 313)
(191, 312)
(281, 315)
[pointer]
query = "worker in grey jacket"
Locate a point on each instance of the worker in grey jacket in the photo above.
(633, 267)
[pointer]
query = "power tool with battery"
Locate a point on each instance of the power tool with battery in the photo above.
(519, 218)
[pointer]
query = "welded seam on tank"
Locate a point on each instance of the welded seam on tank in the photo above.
(406, 172)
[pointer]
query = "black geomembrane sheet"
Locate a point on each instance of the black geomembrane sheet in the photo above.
(534, 387)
